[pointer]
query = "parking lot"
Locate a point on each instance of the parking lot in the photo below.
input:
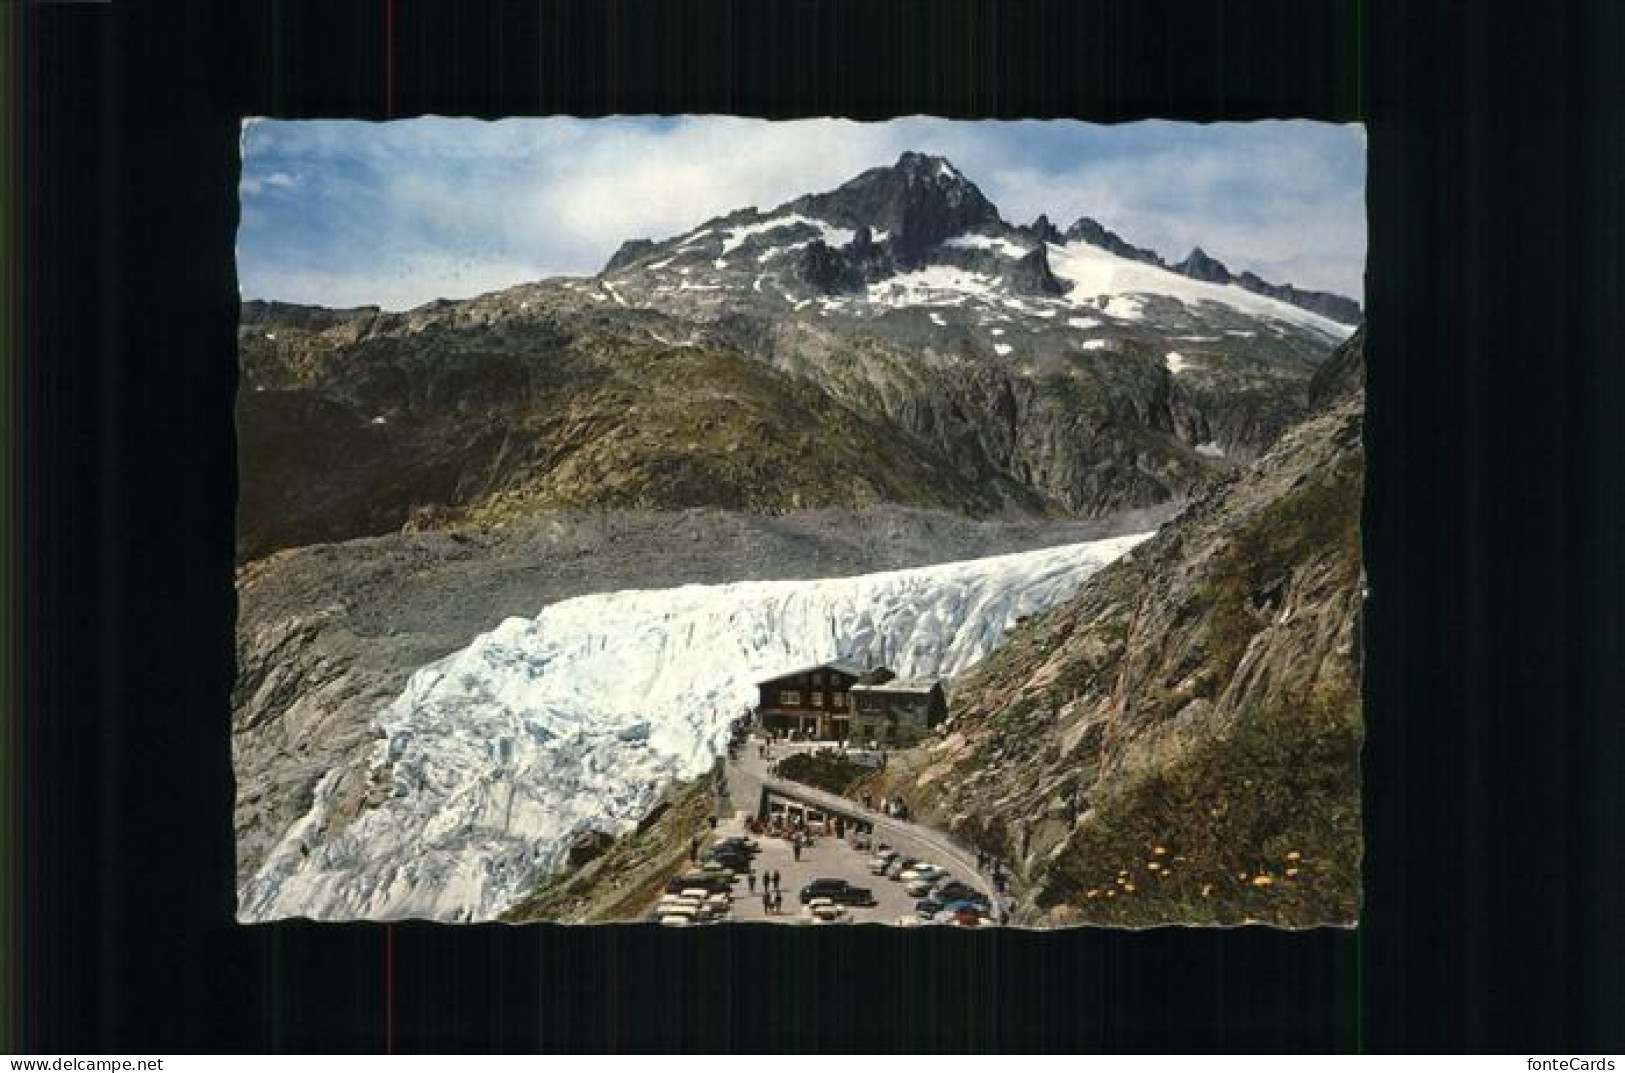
(827, 858)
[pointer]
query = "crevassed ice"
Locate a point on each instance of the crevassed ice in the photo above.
(493, 758)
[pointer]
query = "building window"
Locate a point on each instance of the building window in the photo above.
(818, 678)
(817, 700)
(789, 696)
(837, 700)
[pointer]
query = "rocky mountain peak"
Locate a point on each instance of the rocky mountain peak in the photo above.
(1198, 265)
(1044, 231)
(918, 201)
(1086, 229)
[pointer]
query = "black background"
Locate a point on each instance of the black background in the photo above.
(1493, 643)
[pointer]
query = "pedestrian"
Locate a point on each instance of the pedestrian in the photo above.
(694, 848)
(795, 847)
(767, 903)
(776, 879)
(750, 880)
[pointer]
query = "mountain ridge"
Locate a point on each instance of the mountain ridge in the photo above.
(892, 340)
(894, 217)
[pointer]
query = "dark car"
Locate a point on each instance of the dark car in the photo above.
(838, 891)
(954, 890)
(711, 881)
(928, 907)
(739, 862)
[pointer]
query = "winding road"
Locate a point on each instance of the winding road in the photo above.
(748, 776)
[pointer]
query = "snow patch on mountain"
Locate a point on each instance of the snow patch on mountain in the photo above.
(493, 758)
(936, 285)
(1096, 273)
(833, 236)
(988, 242)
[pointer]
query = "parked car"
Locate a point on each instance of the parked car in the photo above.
(920, 886)
(962, 908)
(838, 891)
(951, 889)
(896, 868)
(880, 862)
(733, 862)
(928, 907)
(706, 881)
(920, 870)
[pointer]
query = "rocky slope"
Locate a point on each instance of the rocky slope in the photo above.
(1180, 743)
(893, 340)
(624, 882)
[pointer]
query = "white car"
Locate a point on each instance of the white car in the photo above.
(920, 886)
(920, 871)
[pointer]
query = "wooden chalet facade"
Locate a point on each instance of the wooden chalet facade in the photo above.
(840, 701)
(813, 702)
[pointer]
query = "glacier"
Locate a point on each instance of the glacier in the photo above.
(492, 759)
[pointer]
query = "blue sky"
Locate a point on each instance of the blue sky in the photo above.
(395, 214)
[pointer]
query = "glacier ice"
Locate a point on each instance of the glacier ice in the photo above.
(494, 757)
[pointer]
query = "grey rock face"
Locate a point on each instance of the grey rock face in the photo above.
(919, 201)
(1198, 265)
(1091, 231)
(1196, 706)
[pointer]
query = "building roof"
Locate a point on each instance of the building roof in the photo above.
(843, 665)
(918, 685)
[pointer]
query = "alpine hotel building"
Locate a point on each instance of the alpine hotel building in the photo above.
(840, 701)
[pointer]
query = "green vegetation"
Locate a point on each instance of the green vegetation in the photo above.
(1260, 823)
(825, 770)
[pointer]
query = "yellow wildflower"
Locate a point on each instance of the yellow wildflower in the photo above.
(1159, 851)
(1294, 856)
(1153, 866)
(1291, 871)
(1207, 889)
(1262, 881)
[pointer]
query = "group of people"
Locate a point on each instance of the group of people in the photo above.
(772, 893)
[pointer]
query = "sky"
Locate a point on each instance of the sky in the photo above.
(344, 213)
